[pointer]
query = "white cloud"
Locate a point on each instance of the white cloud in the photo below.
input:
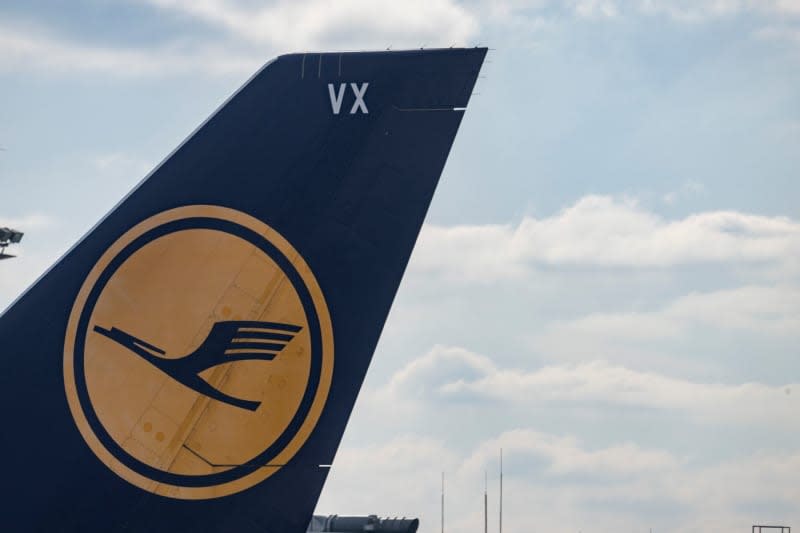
(253, 35)
(784, 33)
(446, 373)
(34, 49)
(27, 222)
(505, 10)
(764, 311)
(632, 487)
(602, 231)
(787, 6)
(688, 189)
(769, 311)
(439, 364)
(120, 166)
(692, 10)
(683, 11)
(692, 333)
(298, 26)
(596, 8)
(397, 478)
(567, 455)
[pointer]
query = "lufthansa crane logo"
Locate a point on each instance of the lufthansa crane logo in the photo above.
(199, 353)
(237, 340)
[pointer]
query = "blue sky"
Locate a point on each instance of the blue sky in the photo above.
(607, 285)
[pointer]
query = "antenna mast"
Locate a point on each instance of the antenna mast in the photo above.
(442, 502)
(485, 502)
(501, 490)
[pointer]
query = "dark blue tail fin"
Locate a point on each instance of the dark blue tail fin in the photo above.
(190, 365)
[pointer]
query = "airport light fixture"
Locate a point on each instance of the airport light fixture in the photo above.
(8, 236)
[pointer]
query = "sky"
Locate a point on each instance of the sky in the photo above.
(607, 285)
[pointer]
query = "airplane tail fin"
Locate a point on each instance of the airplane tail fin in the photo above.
(261, 259)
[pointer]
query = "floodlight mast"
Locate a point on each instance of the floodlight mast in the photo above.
(8, 236)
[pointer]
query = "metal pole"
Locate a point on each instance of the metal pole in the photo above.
(485, 502)
(442, 502)
(501, 490)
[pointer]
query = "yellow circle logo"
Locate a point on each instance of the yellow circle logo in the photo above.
(199, 353)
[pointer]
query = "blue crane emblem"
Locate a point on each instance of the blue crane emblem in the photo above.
(227, 342)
